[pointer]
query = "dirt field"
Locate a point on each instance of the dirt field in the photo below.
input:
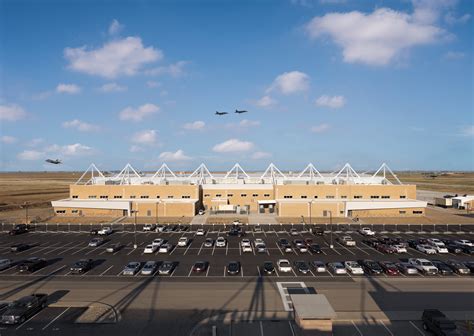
(460, 183)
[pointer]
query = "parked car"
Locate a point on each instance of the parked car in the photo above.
(245, 244)
(315, 248)
(200, 266)
(285, 245)
(424, 266)
(308, 241)
(81, 266)
(112, 248)
(428, 249)
(132, 268)
(371, 267)
(158, 242)
(31, 264)
(454, 248)
(443, 269)
(413, 243)
(160, 228)
(166, 268)
(440, 248)
(200, 232)
(95, 242)
(385, 248)
(336, 268)
(469, 265)
(94, 232)
(183, 241)
(317, 231)
(464, 242)
(407, 268)
(365, 231)
(294, 232)
(353, 267)
(209, 242)
(347, 241)
(318, 266)
(105, 231)
(149, 227)
(302, 266)
(284, 266)
(150, 249)
(233, 267)
(261, 248)
(221, 242)
(268, 267)
(165, 248)
(438, 324)
(458, 267)
(19, 247)
(399, 248)
(467, 249)
(389, 267)
(201, 212)
(18, 229)
(149, 268)
(5, 263)
(20, 310)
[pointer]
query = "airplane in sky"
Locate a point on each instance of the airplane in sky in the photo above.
(221, 113)
(57, 161)
(240, 111)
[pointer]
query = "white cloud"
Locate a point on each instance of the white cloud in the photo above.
(233, 145)
(331, 102)
(76, 149)
(80, 126)
(174, 70)
(249, 123)
(260, 155)
(35, 142)
(42, 95)
(290, 82)
(176, 156)
(468, 130)
(115, 27)
(112, 87)
(454, 55)
(30, 155)
(139, 113)
(11, 112)
(451, 19)
(266, 101)
(380, 37)
(7, 139)
(152, 84)
(68, 88)
(146, 137)
(320, 128)
(136, 149)
(196, 125)
(115, 58)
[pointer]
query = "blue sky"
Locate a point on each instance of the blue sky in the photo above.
(324, 81)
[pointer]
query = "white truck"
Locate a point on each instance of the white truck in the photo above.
(105, 231)
(424, 266)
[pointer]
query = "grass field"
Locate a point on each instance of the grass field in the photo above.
(461, 183)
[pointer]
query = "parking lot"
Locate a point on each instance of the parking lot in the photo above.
(61, 248)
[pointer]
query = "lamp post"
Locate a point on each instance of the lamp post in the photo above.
(135, 227)
(26, 212)
(156, 214)
(310, 209)
(331, 245)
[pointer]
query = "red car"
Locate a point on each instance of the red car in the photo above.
(200, 266)
(308, 241)
(389, 267)
(385, 249)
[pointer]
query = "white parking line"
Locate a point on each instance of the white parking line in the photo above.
(208, 268)
(187, 248)
(242, 271)
(202, 244)
(101, 274)
(258, 270)
(21, 325)
(52, 321)
(421, 332)
(190, 271)
(358, 330)
(389, 331)
(279, 248)
(56, 270)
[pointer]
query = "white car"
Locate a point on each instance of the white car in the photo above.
(347, 240)
(353, 267)
(165, 248)
(428, 249)
(258, 241)
(104, 231)
(284, 266)
(236, 222)
(183, 241)
(464, 242)
(337, 268)
(245, 244)
(201, 212)
(400, 249)
(435, 242)
(158, 242)
(440, 248)
(318, 266)
(423, 265)
(221, 242)
(5, 263)
(149, 227)
(150, 248)
(149, 268)
(367, 231)
(200, 232)
(261, 248)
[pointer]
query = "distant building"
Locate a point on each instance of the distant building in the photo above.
(344, 193)
(445, 202)
(463, 202)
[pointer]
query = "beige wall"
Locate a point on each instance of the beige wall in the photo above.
(88, 212)
(298, 209)
(388, 212)
(128, 191)
(252, 198)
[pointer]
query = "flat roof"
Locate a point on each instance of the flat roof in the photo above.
(312, 306)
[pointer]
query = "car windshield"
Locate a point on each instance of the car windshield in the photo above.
(426, 263)
(284, 263)
(132, 265)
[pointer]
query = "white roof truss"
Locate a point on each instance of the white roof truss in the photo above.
(347, 173)
(127, 174)
(164, 172)
(272, 172)
(237, 172)
(93, 171)
(384, 168)
(311, 172)
(201, 173)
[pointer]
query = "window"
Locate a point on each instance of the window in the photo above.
(133, 196)
(185, 196)
(104, 196)
(343, 196)
(287, 196)
(304, 196)
(207, 195)
(341, 212)
(117, 196)
(329, 196)
(75, 196)
(401, 196)
(92, 196)
(374, 196)
(148, 212)
(230, 195)
(316, 196)
(218, 195)
(417, 212)
(266, 195)
(385, 196)
(358, 196)
(254, 195)
(60, 211)
(170, 196)
(157, 196)
(402, 212)
(74, 211)
(144, 196)
(243, 195)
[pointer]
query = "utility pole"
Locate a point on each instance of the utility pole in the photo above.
(135, 227)
(26, 212)
(157, 213)
(330, 222)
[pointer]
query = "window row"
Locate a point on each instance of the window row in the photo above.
(132, 196)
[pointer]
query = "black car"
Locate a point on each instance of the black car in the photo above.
(282, 242)
(302, 266)
(18, 229)
(371, 267)
(458, 267)
(412, 243)
(236, 231)
(20, 310)
(233, 268)
(200, 266)
(453, 248)
(443, 269)
(317, 231)
(469, 265)
(268, 267)
(438, 324)
(31, 264)
(19, 247)
(315, 248)
(467, 249)
(81, 266)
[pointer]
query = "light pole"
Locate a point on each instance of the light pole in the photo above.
(156, 206)
(26, 212)
(331, 245)
(310, 209)
(135, 227)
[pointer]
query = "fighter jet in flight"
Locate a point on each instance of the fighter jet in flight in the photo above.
(240, 111)
(57, 161)
(221, 113)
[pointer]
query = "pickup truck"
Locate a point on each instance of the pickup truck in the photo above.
(365, 231)
(438, 324)
(31, 264)
(149, 227)
(347, 241)
(20, 310)
(104, 231)
(18, 229)
(424, 266)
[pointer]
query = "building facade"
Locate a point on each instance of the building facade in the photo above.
(309, 193)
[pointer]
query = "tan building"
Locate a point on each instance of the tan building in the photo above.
(309, 193)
